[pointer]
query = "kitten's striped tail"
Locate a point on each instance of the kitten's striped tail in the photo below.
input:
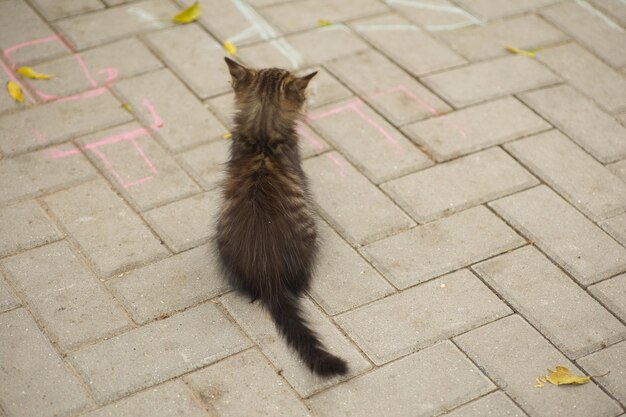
(288, 318)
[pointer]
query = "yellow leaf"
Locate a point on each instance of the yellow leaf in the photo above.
(31, 73)
(230, 48)
(518, 51)
(562, 376)
(324, 22)
(127, 107)
(15, 91)
(539, 383)
(228, 135)
(190, 14)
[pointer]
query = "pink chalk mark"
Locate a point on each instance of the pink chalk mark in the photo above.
(336, 110)
(139, 181)
(316, 143)
(109, 140)
(111, 74)
(144, 156)
(377, 126)
(107, 165)
(86, 72)
(8, 51)
(157, 122)
(341, 169)
(53, 153)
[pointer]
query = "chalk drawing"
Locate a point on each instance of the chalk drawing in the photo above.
(300, 128)
(469, 19)
(610, 23)
(341, 169)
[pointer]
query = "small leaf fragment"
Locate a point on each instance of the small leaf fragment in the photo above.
(324, 22)
(230, 48)
(31, 73)
(539, 382)
(562, 376)
(15, 91)
(228, 135)
(127, 107)
(190, 14)
(517, 51)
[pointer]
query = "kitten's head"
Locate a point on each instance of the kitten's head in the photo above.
(272, 87)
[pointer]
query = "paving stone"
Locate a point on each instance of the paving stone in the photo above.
(57, 122)
(436, 15)
(492, 346)
(185, 121)
(619, 169)
(583, 181)
(582, 120)
(395, 35)
(262, 393)
(611, 359)
(260, 327)
(170, 285)
(489, 79)
(341, 193)
(367, 140)
(194, 56)
(323, 88)
(167, 400)
(223, 107)
(57, 9)
(21, 26)
(393, 389)
(474, 128)
(64, 295)
(137, 166)
(420, 316)
(443, 246)
(40, 383)
(493, 9)
(95, 68)
(292, 17)
(187, 223)
(591, 28)
(24, 226)
(615, 8)
(206, 162)
(95, 28)
(158, 351)
(616, 227)
(40, 172)
(8, 300)
(611, 293)
(569, 238)
(551, 301)
(310, 142)
(588, 74)
(387, 88)
(490, 40)
(460, 184)
(496, 404)
(109, 234)
(343, 280)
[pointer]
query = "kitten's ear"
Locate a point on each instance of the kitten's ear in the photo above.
(300, 83)
(237, 71)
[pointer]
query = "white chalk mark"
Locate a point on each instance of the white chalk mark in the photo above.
(471, 20)
(610, 23)
(244, 34)
(365, 28)
(145, 16)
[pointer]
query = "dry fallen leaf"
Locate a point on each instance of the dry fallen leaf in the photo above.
(513, 50)
(540, 382)
(31, 73)
(230, 48)
(228, 135)
(324, 22)
(127, 107)
(190, 14)
(15, 91)
(562, 376)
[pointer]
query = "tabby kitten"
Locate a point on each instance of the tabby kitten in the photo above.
(266, 233)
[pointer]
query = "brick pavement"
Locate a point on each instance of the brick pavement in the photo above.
(472, 208)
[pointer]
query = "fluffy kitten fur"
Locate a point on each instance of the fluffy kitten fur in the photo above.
(266, 233)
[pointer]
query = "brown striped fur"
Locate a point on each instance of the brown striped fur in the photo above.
(266, 233)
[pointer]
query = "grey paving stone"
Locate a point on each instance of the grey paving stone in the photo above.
(137, 166)
(167, 400)
(612, 293)
(170, 285)
(186, 223)
(64, 295)
(185, 121)
(489, 79)
(493, 9)
(582, 120)
(443, 246)
(496, 404)
(475, 128)
(395, 35)
(57, 9)
(591, 28)
(262, 393)
(493, 346)
(341, 192)
(583, 181)
(436, 15)
(95, 28)
(21, 25)
(8, 300)
(588, 74)
(40, 383)
(460, 184)
(387, 88)
(367, 140)
(206, 162)
(57, 122)
(109, 234)
(23, 226)
(615, 8)
(490, 40)
(551, 301)
(570, 239)
(616, 227)
(612, 359)
(194, 56)
(420, 316)
(310, 142)
(158, 351)
(342, 279)
(260, 327)
(36, 173)
(396, 388)
(619, 169)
